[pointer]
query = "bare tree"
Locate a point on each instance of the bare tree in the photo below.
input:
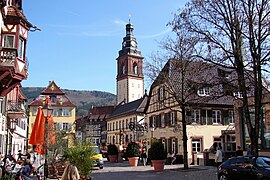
(181, 78)
(233, 34)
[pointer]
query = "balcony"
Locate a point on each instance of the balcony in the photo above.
(15, 110)
(8, 56)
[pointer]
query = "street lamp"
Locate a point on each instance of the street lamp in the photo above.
(47, 112)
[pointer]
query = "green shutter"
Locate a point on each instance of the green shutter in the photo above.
(209, 117)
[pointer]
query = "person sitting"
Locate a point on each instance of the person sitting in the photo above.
(26, 170)
(171, 158)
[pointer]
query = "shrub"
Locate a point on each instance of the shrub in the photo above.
(157, 151)
(81, 155)
(112, 149)
(133, 150)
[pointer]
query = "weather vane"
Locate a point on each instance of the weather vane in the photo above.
(129, 18)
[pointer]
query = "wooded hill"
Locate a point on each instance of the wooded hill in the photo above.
(84, 100)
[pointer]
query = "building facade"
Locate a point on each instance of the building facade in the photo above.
(93, 127)
(63, 109)
(13, 69)
(207, 109)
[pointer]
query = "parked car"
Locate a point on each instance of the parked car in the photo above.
(245, 167)
(98, 159)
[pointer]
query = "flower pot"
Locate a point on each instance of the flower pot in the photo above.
(158, 165)
(133, 161)
(113, 158)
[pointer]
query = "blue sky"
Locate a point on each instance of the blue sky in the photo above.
(79, 41)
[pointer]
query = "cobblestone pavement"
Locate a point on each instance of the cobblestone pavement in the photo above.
(119, 171)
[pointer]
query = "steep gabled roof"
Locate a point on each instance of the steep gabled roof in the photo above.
(60, 99)
(137, 106)
(52, 89)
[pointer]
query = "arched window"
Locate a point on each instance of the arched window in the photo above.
(135, 68)
(123, 68)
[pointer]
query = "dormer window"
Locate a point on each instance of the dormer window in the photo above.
(205, 91)
(238, 94)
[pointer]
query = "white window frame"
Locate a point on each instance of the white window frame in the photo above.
(196, 144)
(6, 41)
(204, 91)
(195, 116)
(238, 94)
(216, 116)
(21, 47)
(231, 117)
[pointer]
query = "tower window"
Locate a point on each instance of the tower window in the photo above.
(135, 68)
(123, 68)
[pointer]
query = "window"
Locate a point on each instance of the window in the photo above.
(195, 116)
(231, 118)
(205, 91)
(216, 116)
(126, 123)
(196, 145)
(66, 112)
(123, 124)
(173, 118)
(66, 126)
(162, 120)
(9, 41)
(123, 69)
(238, 94)
(135, 68)
(161, 93)
(116, 125)
(21, 48)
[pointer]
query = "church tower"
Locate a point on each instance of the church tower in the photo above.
(130, 79)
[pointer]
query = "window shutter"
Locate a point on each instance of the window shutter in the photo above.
(151, 121)
(225, 117)
(188, 116)
(175, 117)
(209, 117)
(203, 116)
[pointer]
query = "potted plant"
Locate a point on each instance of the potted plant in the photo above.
(112, 153)
(157, 155)
(133, 153)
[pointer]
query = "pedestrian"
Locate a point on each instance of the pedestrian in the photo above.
(171, 158)
(249, 151)
(70, 173)
(20, 155)
(27, 155)
(144, 157)
(218, 157)
(239, 151)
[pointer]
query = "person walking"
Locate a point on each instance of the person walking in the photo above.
(144, 157)
(249, 151)
(218, 157)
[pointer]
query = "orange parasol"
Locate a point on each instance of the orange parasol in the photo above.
(37, 137)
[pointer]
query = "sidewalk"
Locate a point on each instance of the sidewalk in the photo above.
(122, 170)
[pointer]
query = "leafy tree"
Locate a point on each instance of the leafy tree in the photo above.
(233, 34)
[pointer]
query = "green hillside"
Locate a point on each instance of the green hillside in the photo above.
(83, 99)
